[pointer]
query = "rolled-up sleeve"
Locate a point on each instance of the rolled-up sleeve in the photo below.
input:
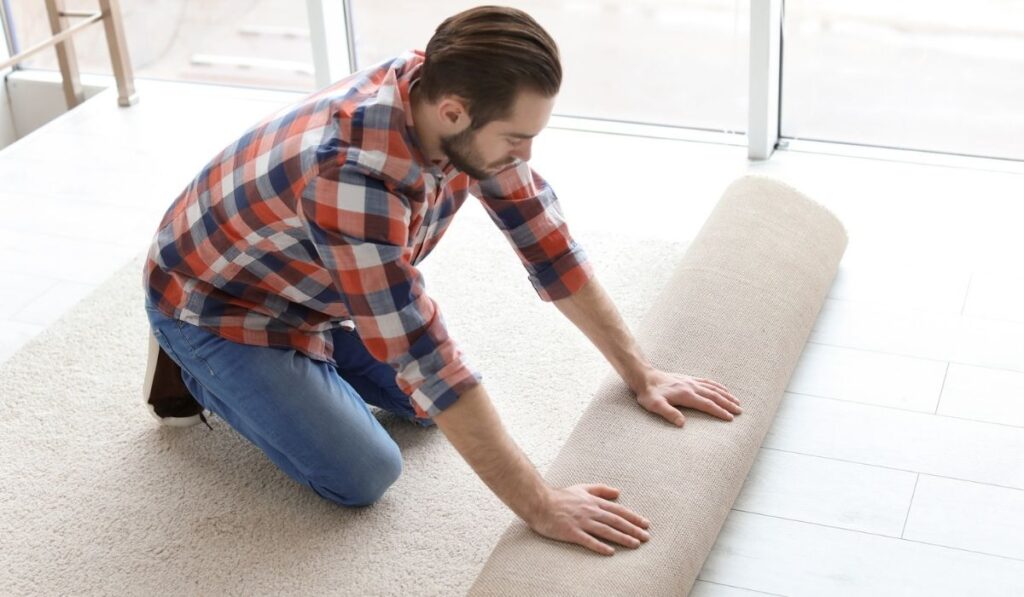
(525, 208)
(360, 229)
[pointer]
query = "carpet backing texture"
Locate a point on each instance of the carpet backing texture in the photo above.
(738, 309)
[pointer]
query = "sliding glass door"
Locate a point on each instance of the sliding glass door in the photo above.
(936, 75)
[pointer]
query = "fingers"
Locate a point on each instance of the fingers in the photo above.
(704, 394)
(604, 531)
(624, 526)
(722, 400)
(611, 493)
(598, 519)
(661, 406)
(711, 404)
(604, 491)
(715, 402)
(703, 398)
(626, 513)
(722, 389)
(591, 543)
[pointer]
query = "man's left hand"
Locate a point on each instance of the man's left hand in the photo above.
(664, 391)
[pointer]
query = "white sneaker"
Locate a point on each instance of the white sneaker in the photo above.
(164, 393)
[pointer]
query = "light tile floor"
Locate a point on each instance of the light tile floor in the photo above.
(895, 465)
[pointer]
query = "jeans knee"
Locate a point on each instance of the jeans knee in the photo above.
(365, 487)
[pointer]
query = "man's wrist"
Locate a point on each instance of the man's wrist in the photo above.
(639, 377)
(472, 426)
(536, 503)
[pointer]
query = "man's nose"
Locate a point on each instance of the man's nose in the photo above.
(523, 151)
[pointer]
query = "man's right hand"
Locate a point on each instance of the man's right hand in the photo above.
(582, 513)
(577, 514)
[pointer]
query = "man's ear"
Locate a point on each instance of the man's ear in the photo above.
(454, 112)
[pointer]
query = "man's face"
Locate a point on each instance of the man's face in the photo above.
(500, 143)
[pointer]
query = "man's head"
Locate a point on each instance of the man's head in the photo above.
(491, 74)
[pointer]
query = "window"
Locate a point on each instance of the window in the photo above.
(674, 62)
(262, 43)
(931, 75)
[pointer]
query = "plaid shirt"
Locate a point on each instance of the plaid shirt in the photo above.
(316, 218)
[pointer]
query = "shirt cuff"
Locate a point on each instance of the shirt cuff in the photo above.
(563, 276)
(433, 392)
(433, 397)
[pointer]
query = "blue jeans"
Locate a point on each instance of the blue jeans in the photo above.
(309, 417)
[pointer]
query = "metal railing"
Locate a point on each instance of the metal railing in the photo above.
(110, 15)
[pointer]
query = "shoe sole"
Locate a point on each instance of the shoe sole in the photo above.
(147, 387)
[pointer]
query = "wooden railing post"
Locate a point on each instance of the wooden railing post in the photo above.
(122, 66)
(66, 58)
(61, 40)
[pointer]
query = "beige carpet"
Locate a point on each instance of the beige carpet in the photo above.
(96, 498)
(739, 310)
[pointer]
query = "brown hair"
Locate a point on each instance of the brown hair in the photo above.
(487, 55)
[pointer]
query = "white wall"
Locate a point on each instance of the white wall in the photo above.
(37, 97)
(31, 98)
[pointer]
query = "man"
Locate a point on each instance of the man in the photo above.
(283, 280)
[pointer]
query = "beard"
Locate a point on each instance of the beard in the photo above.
(465, 158)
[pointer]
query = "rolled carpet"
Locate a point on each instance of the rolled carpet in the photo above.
(738, 309)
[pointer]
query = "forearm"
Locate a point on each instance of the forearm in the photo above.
(473, 427)
(592, 311)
